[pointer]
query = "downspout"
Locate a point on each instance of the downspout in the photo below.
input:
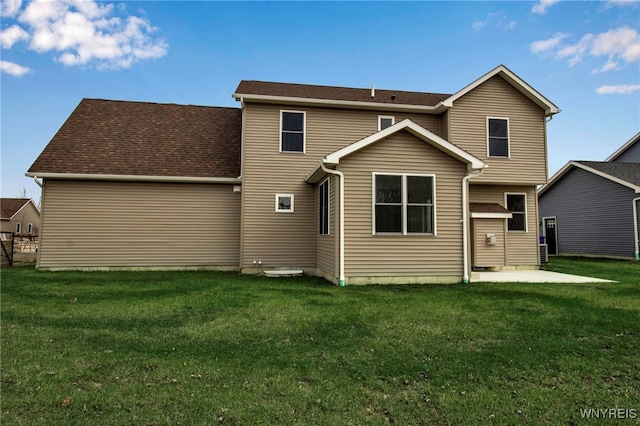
(465, 225)
(341, 242)
(636, 238)
(35, 179)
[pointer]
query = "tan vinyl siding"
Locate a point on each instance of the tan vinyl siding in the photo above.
(289, 239)
(521, 247)
(88, 224)
(370, 255)
(327, 245)
(527, 138)
(488, 255)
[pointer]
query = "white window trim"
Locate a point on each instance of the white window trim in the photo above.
(29, 228)
(508, 137)
(18, 228)
(278, 209)
(304, 131)
(328, 182)
(404, 204)
(381, 117)
(526, 214)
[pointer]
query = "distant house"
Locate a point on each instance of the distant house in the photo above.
(20, 216)
(354, 185)
(592, 207)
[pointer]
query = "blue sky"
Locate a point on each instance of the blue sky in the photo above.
(584, 56)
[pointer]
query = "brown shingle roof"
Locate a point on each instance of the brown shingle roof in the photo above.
(10, 206)
(307, 91)
(145, 139)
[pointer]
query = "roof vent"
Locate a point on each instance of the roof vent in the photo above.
(373, 90)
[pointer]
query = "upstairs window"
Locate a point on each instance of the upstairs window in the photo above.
(18, 227)
(284, 203)
(517, 205)
(385, 121)
(498, 137)
(404, 204)
(292, 126)
(323, 219)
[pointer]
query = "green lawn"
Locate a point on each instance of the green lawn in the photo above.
(166, 348)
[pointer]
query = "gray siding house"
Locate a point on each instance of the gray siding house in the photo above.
(591, 208)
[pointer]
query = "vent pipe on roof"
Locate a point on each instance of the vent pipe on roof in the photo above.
(373, 90)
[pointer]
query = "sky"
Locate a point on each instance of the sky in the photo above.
(582, 55)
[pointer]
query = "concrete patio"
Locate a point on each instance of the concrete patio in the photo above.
(532, 276)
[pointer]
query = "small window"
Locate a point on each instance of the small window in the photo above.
(284, 203)
(18, 228)
(404, 204)
(323, 202)
(498, 137)
(29, 228)
(385, 121)
(517, 205)
(292, 125)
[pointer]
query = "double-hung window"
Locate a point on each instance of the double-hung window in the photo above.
(517, 204)
(498, 137)
(292, 129)
(323, 207)
(404, 204)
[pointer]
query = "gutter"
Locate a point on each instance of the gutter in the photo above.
(435, 109)
(135, 178)
(465, 224)
(341, 243)
(636, 238)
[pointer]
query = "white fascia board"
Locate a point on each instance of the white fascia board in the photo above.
(135, 178)
(420, 132)
(269, 99)
(549, 107)
(624, 147)
(22, 207)
(491, 215)
(571, 164)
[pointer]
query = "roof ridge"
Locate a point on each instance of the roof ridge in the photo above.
(159, 103)
(343, 87)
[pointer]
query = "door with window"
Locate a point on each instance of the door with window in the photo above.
(551, 234)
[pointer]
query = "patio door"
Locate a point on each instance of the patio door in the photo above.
(551, 234)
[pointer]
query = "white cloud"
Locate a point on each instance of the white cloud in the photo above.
(9, 8)
(495, 19)
(612, 3)
(82, 32)
(13, 69)
(550, 43)
(618, 89)
(12, 35)
(619, 45)
(542, 5)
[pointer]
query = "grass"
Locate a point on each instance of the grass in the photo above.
(203, 348)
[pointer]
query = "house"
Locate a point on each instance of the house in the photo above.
(590, 208)
(355, 185)
(20, 216)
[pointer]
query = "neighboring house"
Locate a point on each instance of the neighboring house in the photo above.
(20, 216)
(591, 207)
(356, 185)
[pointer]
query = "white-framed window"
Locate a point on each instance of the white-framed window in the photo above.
(284, 203)
(385, 121)
(517, 205)
(324, 198)
(292, 131)
(498, 137)
(404, 204)
(18, 227)
(29, 228)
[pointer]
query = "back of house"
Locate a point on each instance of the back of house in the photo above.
(355, 185)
